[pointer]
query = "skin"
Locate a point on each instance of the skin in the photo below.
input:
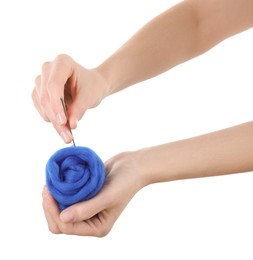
(181, 33)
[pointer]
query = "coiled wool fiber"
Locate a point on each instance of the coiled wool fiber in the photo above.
(74, 174)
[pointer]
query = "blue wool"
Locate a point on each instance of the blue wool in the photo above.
(74, 174)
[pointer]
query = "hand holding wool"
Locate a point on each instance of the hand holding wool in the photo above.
(96, 216)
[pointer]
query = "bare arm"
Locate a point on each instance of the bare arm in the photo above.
(223, 152)
(175, 36)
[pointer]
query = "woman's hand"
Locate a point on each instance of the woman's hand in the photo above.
(96, 216)
(81, 89)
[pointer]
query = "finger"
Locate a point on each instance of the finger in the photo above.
(36, 103)
(98, 226)
(61, 70)
(36, 98)
(84, 210)
(42, 90)
(108, 165)
(38, 84)
(64, 133)
(51, 211)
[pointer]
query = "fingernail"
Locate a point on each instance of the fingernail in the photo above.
(66, 216)
(64, 136)
(60, 119)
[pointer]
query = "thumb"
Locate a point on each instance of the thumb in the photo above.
(83, 210)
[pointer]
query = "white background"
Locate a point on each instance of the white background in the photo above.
(208, 218)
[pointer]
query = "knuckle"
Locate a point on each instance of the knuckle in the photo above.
(103, 231)
(37, 80)
(54, 229)
(45, 118)
(38, 106)
(43, 115)
(51, 84)
(45, 204)
(62, 57)
(34, 95)
(45, 66)
(43, 99)
(65, 229)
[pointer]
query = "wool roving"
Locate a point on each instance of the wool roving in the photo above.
(74, 174)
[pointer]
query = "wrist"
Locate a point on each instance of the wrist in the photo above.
(116, 73)
(103, 82)
(151, 166)
(146, 166)
(110, 77)
(158, 164)
(130, 164)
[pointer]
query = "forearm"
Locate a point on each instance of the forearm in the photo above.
(223, 152)
(182, 32)
(164, 42)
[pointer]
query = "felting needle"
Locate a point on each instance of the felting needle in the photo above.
(66, 114)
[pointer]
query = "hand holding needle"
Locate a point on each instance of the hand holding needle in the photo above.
(66, 114)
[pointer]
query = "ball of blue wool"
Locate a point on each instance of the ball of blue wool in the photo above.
(74, 174)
